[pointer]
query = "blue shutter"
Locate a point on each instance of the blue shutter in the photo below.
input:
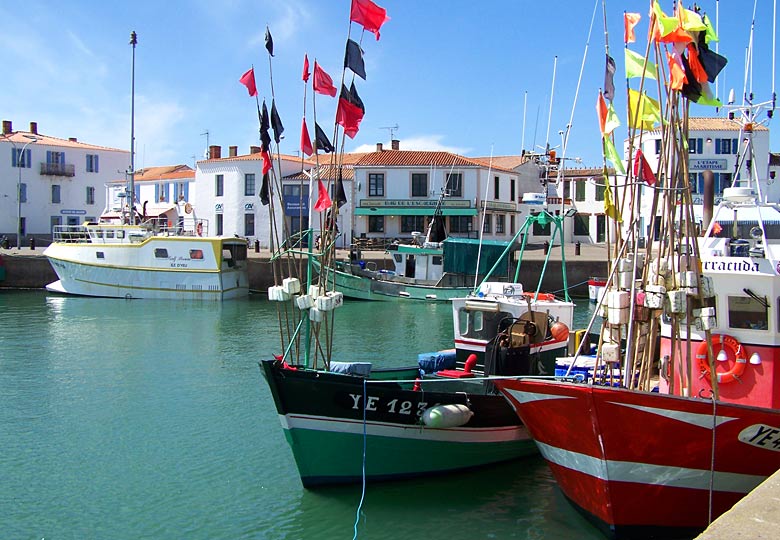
(186, 191)
(13, 157)
(734, 147)
(28, 158)
(48, 157)
(95, 162)
(698, 146)
(156, 192)
(717, 146)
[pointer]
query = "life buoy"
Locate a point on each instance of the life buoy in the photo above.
(737, 351)
(548, 297)
(199, 229)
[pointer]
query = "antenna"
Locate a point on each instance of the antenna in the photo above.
(392, 130)
(207, 153)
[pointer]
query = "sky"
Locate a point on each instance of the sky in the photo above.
(476, 78)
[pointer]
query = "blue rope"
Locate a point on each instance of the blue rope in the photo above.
(363, 491)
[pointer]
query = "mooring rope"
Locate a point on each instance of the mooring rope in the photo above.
(363, 490)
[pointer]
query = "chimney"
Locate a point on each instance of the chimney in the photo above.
(395, 144)
(379, 147)
(254, 149)
(73, 139)
(215, 151)
(34, 128)
(8, 127)
(232, 151)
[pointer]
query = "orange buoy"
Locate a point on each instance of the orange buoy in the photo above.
(559, 331)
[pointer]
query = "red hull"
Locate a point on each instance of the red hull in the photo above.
(639, 463)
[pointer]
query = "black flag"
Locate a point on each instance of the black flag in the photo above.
(711, 61)
(353, 59)
(609, 79)
(269, 42)
(265, 138)
(692, 88)
(264, 191)
(321, 140)
(340, 195)
(276, 123)
(354, 98)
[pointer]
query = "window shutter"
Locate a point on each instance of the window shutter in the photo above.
(14, 156)
(97, 158)
(717, 146)
(734, 146)
(698, 146)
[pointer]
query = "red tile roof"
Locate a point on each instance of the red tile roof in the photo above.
(418, 158)
(168, 172)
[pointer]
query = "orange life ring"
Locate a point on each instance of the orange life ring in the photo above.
(199, 229)
(549, 297)
(737, 351)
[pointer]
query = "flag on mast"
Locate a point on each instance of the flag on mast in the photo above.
(369, 15)
(248, 80)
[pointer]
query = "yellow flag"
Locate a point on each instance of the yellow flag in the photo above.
(609, 207)
(611, 154)
(648, 109)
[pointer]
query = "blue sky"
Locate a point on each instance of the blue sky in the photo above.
(453, 75)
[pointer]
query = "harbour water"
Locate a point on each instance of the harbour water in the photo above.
(151, 420)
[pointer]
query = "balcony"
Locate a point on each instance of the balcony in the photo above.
(58, 169)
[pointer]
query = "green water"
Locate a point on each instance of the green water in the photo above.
(150, 420)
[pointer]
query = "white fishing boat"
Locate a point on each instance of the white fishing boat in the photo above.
(165, 257)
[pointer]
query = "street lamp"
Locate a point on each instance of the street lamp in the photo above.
(19, 161)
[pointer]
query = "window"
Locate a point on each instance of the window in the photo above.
(500, 221)
(249, 224)
(249, 184)
(600, 188)
(581, 225)
(21, 160)
(55, 194)
(579, 194)
(541, 230)
(196, 254)
(161, 253)
(412, 223)
(497, 188)
(512, 229)
(55, 158)
(722, 180)
(376, 224)
(461, 224)
(376, 185)
(419, 185)
(22, 192)
(747, 312)
(488, 224)
(219, 185)
(566, 189)
(694, 146)
(90, 195)
(92, 163)
(220, 224)
(512, 190)
(455, 184)
(726, 146)
(657, 146)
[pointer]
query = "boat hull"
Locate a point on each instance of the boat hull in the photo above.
(322, 415)
(638, 464)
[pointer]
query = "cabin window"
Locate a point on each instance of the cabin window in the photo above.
(376, 184)
(196, 254)
(99, 234)
(100, 255)
(119, 234)
(161, 253)
(479, 324)
(419, 185)
(397, 257)
(747, 312)
(437, 260)
(471, 322)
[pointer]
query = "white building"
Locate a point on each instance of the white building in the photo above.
(61, 181)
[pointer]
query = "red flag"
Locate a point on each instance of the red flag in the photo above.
(349, 116)
(647, 172)
(323, 84)
(248, 80)
(266, 161)
(305, 76)
(369, 15)
(323, 200)
(601, 109)
(630, 20)
(695, 64)
(306, 147)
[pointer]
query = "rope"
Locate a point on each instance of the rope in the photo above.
(712, 461)
(363, 490)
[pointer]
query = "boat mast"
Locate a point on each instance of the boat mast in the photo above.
(131, 171)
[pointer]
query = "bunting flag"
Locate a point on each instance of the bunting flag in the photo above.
(323, 199)
(695, 63)
(642, 170)
(643, 111)
(601, 111)
(637, 65)
(323, 84)
(264, 198)
(663, 24)
(369, 15)
(265, 138)
(321, 141)
(676, 71)
(266, 161)
(248, 80)
(353, 59)
(349, 114)
(612, 121)
(630, 20)
(341, 195)
(306, 147)
(306, 73)
(678, 35)
(611, 154)
(691, 88)
(276, 123)
(690, 20)
(707, 98)
(609, 79)
(709, 34)
(712, 62)
(269, 42)
(609, 207)
(354, 98)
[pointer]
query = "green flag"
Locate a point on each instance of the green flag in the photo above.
(611, 154)
(636, 64)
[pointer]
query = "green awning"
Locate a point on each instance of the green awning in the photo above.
(400, 211)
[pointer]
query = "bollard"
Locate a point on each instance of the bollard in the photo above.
(257, 246)
(546, 246)
(577, 248)
(32, 243)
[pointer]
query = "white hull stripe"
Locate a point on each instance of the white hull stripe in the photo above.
(645, 473)
(695, 419)
(380, 429)
(528, 397)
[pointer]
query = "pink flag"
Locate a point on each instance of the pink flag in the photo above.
(306, 74)
(369, 15)
(323, 84)
(248, 80)
(306, 147)
(323, 200)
